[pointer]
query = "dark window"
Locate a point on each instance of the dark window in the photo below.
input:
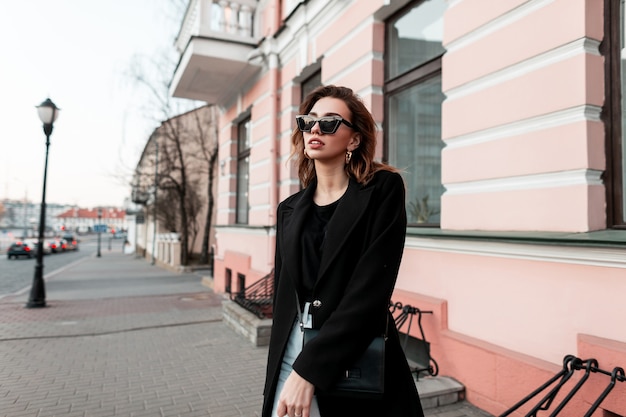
(310, 84)
(228, 280)
(614, 116)
(241, 283)
(413, 106)
(243, 171)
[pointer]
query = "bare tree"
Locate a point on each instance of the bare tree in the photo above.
(179, 161)
(208, 154)
(148, 77)
(169, 214)
(187, 152)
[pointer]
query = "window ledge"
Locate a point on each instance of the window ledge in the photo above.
(603, 248)
(602, 238)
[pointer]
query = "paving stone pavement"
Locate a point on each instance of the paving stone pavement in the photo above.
(134, 361)
(153, 344)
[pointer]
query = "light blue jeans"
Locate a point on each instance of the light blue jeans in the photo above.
(294, 347)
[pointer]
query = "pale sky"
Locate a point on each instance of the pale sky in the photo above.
(78, 53)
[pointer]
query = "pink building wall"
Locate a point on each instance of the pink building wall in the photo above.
(524, 86)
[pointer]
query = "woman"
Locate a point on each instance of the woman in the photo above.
(339, 243)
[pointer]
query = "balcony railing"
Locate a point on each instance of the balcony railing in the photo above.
(258, 297)
(232, 20)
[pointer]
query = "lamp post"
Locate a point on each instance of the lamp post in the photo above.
(99, 230)
(48, 113)
(25, 232)
(156, 187)
(139, 197)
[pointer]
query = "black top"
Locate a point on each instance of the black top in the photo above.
(313, 235)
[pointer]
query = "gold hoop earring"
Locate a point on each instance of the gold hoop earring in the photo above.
(348, 157)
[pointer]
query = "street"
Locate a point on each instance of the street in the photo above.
(17, 274)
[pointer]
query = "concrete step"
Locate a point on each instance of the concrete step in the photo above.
(256, 330)
(437, 391)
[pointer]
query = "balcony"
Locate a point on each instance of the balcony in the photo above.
(214, 42)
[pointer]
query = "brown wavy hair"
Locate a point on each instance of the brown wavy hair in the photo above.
(362, 166)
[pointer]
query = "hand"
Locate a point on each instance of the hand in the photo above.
(296, 397)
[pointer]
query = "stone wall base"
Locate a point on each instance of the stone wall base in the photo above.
(256, 330)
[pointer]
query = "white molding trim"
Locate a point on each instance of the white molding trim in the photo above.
(571, 49)
(533, 124)
(283, 158)
(260, 186)
(368, 21)
(527, 182)
(226, 194)
(228, 177)
(497, 24)
(260, 208)
(226, 144)
(289, 182)
(256, 231)
(263, 139)
(601, 257)
(369, 57)
(296, 41)
(259, 164)
(264, 118)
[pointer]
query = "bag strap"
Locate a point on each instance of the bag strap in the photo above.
(301, 318)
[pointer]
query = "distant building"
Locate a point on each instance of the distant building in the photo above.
(82, 220)
(24, 215)
(195, 132)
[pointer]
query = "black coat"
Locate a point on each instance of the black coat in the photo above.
(358, 269)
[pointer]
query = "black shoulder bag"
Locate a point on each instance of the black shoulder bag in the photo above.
(366, 376)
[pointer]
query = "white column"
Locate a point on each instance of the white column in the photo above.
(223, 27)
(245, 21)
(233, 27)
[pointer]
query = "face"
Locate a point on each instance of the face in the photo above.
(330, 147)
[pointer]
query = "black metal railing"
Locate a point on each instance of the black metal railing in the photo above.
(417, 350)
(571, 365)
(257, 298)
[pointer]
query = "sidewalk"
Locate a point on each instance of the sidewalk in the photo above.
(121, 337)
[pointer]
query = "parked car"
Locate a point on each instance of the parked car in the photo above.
(47, 249)
(71, 243)
(47, 246)
(57, 245)
(20, 248)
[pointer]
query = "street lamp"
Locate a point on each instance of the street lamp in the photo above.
(156, 188)
(99, 229)
(48, 113)
(139, 197)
